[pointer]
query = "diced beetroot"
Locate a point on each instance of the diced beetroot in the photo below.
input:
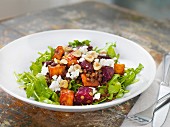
(90, 48)
(84, 96)
(107, 73)
(48, 62)
(86, 65)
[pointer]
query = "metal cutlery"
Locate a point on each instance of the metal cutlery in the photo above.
(160, 116)
(146, 116)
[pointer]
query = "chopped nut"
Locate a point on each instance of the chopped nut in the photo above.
(76, 53)
(64, 84)
(78, 67)
(93, 53)
(56, 60)
(97, 66)
(89, 58)
(102, 52)
(67, 49)
(63, 61)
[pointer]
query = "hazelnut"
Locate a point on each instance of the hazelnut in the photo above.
(78, 67)
(89, 58)
(63, 61)
(64, 84)
(76, 53)
(93, 53)
(67, 49)
(97, 66)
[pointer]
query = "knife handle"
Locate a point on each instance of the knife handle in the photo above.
(162, 102)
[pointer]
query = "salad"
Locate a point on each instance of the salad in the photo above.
(78, 74)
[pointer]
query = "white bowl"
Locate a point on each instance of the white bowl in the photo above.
(17, 57)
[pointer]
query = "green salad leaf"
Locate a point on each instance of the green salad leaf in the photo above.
(37, 88)
(77, 43)
(37, 65)
(73, 85)
(130, 75)
(100, 101)
(139, 68)
(102, 89)
(110, 50)
(114, 86)
(117, 85)
(120, 93)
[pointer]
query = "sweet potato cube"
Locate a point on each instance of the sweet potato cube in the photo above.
(89, 83)
(56, 70)
(119, 68)
(66, 97)
(71, 60)
(59, 51)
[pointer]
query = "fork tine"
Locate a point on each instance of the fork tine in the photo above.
(139, 120)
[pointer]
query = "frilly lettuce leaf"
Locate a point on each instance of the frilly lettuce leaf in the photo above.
(37, 88)
(77, 43)
(37, 65)
(110, 50)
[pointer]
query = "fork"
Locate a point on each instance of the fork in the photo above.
(146, 116)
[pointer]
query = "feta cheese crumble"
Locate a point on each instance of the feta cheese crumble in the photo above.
(55, 85)
(83, 49)
(73, 72)
(83, 56)
(96, 60)
(107, 62)
(97, 96)
(71, 68)
(81, 59)
(74, 49)
(54, 77)
(44, 69)
(94, 90)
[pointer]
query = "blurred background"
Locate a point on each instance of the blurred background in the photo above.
(158, 9)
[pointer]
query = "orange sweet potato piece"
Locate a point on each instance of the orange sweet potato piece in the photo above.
(119, 68)
(89, 83)
(56, 70)
(66, 97)
(71, 60)
(59, 51)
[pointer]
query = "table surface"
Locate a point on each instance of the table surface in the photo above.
(150, 34)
